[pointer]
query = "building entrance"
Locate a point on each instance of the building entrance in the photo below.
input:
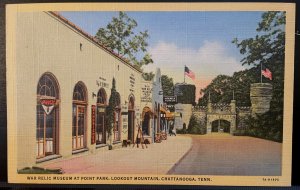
(79, 117)
(78, 131)
(221, 126)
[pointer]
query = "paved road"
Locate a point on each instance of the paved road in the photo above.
(222, 154)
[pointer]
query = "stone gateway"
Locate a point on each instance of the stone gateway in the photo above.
(223, 117)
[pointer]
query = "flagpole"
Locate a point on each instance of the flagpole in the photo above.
(260, 72)
(184, 74)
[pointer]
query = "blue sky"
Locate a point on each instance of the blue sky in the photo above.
(201, 40)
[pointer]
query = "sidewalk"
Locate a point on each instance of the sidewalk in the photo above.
(158, 158)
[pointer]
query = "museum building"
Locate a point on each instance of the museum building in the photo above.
(63, 80)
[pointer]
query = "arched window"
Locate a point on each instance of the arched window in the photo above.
(117, 126)
(79, 93)
(47, 112)
(79, 116)
(101, 97)
(131, 103)
(47, 86)
(100, 123)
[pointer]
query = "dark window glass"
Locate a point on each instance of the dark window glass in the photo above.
(47, 86)
(49, 125)
(79, 92)
(101, 96)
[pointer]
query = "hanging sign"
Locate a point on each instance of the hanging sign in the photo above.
(48, 105)
(93, 140)
(170, 99)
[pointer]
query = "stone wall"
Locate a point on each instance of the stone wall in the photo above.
(186, 112)
(242, 114)
(200, 113)
(260, 96)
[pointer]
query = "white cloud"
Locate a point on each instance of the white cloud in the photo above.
(206, 62)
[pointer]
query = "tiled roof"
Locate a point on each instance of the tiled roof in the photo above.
(93, 39)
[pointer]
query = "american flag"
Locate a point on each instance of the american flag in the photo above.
(189, 73)
(267, 73)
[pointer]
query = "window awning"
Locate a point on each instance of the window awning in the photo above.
(147, 110)
(162, 109)
(170, 115)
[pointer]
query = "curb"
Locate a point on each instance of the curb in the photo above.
(175, 165)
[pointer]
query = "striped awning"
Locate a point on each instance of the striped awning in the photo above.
(162, 109)
(170, 115)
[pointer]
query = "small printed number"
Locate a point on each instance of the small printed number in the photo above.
(270, 179)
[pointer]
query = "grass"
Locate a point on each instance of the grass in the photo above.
(38, 170)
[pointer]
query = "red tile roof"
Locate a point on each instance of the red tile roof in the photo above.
(93, 39)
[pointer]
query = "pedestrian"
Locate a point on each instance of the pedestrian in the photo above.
(184, 128)
(170, 131)
(174, 131)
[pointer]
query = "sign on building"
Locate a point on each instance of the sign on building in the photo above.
(170, 99)
(146, 95)
(48, 105)
(93, 136)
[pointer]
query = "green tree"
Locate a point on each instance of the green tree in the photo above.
(268, 49)
(119, 36)
(148, 76)
(193, 127)
(222, 87)
(167, 85)
(110, 109)
(168, 89)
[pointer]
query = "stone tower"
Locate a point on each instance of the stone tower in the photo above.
(260, 96)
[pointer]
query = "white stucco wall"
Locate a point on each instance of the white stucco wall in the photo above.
(46, 44)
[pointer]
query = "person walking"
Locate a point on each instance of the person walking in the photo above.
(174, 131)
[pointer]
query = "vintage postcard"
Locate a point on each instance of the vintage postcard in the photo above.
(150, 93)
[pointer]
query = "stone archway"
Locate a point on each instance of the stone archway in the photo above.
(221, 126)
(230, 118)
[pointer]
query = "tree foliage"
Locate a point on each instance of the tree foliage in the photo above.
(110, 109)
(167, 85)
(120, 36)
(223, 87)
(266, 48)
(195, 127)
(148, 76)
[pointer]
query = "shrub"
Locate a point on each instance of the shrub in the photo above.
(266, 126)
(240, 132)
(39, 170)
